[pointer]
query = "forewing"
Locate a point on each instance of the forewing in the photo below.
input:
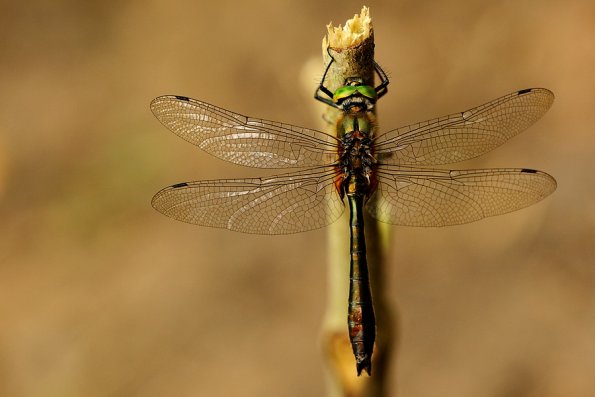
(282, 204)
(465, 135)
(244, 140)
(423, 197)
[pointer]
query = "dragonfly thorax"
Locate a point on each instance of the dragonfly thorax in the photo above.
(357, 164)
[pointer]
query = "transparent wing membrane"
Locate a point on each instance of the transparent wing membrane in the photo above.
(244, 140)
(309, 199)
(464, 135)
(282, 204)
(423, 197)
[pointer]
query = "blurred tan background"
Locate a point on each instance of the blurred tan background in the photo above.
(102, 296)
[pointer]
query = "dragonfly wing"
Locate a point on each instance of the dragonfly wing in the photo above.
(244, 140)
(465, 135)
(282, 204)
(425, 197)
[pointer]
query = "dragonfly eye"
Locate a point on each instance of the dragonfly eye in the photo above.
(367, 91)
(343, 93)
(347, 92)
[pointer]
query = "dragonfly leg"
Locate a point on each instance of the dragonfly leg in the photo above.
(383, 87)
(322, 89)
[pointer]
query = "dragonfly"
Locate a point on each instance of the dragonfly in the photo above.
(390, 176)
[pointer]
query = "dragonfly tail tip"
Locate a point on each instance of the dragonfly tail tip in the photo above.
(365, 365)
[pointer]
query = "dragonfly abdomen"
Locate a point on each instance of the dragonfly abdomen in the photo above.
(360, 314)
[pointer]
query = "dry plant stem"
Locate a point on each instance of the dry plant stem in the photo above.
(352, 49)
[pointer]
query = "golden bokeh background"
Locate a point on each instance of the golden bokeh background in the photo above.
(100, 295)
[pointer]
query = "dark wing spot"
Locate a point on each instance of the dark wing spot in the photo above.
(526, 90)
(182, 98)
(177, 185)
(529, 171)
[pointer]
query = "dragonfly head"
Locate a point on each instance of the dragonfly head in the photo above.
(355, 96)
